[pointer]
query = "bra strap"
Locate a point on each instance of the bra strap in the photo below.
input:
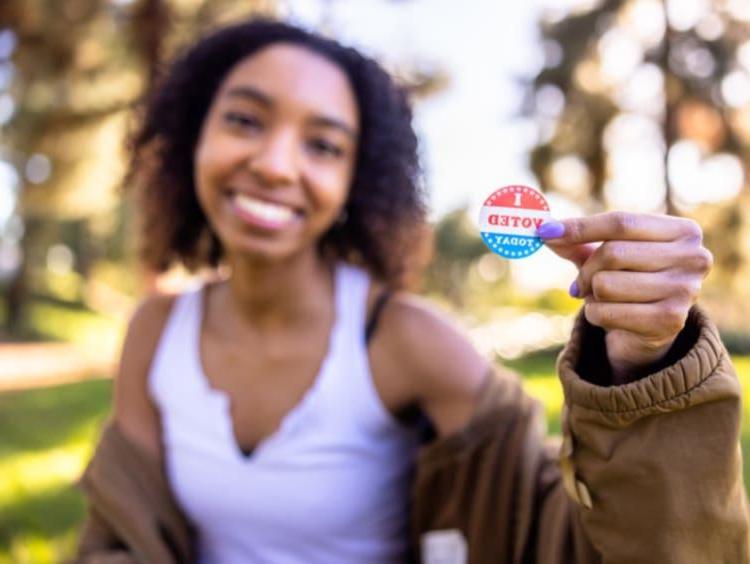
(377, 309)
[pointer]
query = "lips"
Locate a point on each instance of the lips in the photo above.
(262, 213)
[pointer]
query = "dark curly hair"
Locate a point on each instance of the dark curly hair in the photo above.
(385, 210)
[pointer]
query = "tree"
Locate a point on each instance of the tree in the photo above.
(667, 83)
(81, 66)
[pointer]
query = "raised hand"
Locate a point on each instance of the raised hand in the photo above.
(639, 275)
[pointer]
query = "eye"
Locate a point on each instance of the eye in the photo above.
(243, 120)
(323, 147)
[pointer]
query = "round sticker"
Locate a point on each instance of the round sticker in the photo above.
(509, 219)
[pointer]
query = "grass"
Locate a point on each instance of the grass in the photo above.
(50, 319)
(47, 436)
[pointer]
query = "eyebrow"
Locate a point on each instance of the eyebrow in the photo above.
(251, 93)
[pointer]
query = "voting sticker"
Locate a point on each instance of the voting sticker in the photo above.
(509, 219)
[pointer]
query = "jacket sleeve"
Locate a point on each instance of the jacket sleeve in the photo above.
(132, 517)
(655, 465)
(646, 472)
(99, 544)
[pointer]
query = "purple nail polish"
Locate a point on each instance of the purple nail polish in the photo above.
(551, 230)
(574, 290)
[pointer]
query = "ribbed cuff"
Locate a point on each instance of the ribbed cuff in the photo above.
(663, 390)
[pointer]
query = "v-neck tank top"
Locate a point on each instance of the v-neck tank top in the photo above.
(330, 485)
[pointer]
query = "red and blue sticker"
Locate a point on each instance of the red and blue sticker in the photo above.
(509, 219)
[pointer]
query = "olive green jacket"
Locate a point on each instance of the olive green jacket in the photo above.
(647, 472)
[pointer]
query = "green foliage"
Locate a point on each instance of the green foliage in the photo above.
(119, 275)
(456, 238)
(737, 342)
(457, 246)
(554, 300)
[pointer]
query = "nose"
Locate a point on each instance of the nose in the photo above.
(275, 160)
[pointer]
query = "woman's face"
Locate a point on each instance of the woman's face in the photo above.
(276, 153)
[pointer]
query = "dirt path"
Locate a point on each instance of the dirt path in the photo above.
(31, 365)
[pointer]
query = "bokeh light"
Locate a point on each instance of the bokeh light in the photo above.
(698, 177)
(8, 191)
(38, 168)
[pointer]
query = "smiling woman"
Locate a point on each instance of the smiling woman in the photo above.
(302, 408)
(291, 160)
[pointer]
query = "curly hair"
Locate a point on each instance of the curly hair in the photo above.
(385, 210)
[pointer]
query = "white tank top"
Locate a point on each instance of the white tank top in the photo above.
(330, 486)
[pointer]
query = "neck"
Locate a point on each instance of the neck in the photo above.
(278, 293)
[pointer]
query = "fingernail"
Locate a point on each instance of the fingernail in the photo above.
(551, 230)
(574, 291)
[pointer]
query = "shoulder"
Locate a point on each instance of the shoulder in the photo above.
(411, 323)
(151, 313)
(134, 412)
(436, 359)
(427, 340)
(146, 325)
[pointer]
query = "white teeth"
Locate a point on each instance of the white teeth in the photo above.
(264, 210)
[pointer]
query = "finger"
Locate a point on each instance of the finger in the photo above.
(651, 321)
(647, 257)
(640, 287)
(644, 257)
(619, 226)
(577, 254)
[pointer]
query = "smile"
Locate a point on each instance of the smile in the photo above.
(263, 213)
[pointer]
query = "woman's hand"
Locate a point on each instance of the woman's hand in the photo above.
(638, 284)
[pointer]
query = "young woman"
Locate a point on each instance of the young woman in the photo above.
(275, 414)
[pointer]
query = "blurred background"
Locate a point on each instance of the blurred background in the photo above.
(639, 105)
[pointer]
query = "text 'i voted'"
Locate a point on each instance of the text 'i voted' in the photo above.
(509, 219)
